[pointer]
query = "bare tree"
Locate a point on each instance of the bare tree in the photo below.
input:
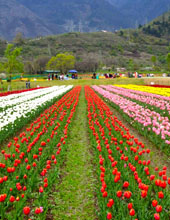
(88, 64)
(39, 65)
(28, 67)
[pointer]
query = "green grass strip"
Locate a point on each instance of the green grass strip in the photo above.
(74, 197)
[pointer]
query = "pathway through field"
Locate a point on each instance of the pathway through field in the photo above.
(75, 195)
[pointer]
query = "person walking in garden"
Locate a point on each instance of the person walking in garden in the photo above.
(49, 76)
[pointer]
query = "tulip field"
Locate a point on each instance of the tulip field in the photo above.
(149, 113)
(18, 109)
(65, 155)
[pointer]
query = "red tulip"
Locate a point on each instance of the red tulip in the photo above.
(1, 180)
(109, 215)
(164, 168)
(143, 193)
(34, 164)
(25, 176)
(110, 203)
(152, 177)
(26, 210)
(45, 185)
(24, 188)
(125, 184)
(119, 193)
(159, 208)
(37, 211)
(17, 199)
(154, 203)
(132, 212)
(12, 199)
(127, 194)
(156, 216)
(164, 177)
(41, 189)
(28, 167)
(160, 195)
(104, 194)
(3, 197)
(169, 181)
(43, 143)
(117, 178)
(130, 205)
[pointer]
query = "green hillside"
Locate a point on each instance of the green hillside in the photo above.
(159, 27)
(110, 49)
(129, 48)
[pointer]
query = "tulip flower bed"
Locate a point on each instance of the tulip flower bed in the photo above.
(18, 109)
(30, 166)
(149, 123)
(158, 86)
(140, 90)
(18, 91)
(158, 103)
(129, 188)
(160, 91)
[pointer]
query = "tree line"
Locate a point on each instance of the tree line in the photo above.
(13, 63)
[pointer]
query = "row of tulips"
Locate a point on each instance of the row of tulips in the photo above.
(29, 166)
(17, 99)
(154, 102)
(129, 188)
(18, 91)
(140, 90)
(147, 122)
(149, 89)
(19, 109)
(159, 86)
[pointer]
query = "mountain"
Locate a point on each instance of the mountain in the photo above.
(79, 15)
(47, 17)
(15, 18)
(143, 11)
(118, 3)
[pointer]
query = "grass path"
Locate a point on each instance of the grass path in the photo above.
(74, 197)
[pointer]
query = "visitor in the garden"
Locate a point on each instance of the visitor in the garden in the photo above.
(94, 76)
(49, 76)
(27, 84)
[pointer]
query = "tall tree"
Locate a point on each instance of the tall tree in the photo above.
(62, 62)
(131, 65)
(153, 59)
(1, 67)
(13, 61)
(168, 61)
